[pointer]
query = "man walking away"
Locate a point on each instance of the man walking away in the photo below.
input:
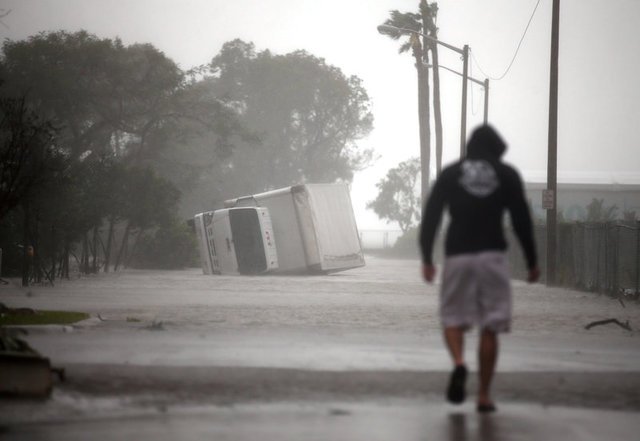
(476, 289)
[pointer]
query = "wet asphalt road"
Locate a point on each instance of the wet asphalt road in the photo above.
(354, 355)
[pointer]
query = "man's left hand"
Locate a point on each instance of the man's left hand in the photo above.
(428, 272)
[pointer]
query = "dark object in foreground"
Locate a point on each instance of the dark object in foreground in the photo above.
(25, 375)
(624, 325)
(24, 372)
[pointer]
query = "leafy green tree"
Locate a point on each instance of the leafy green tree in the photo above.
(629, 216)
(119, 111)
(307, 117)
(171, 246)
(132, 102)
(28, 150)
(598, 212)
(107, 97)
(64, 78)
(397, 199)
(151, 201)
(131, 127)
(199, 160)
(30, 164)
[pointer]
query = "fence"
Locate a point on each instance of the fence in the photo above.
(601, 257)
(379, 239)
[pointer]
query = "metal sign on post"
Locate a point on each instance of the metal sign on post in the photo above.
(548, 199)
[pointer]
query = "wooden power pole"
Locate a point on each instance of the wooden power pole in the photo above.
(551, 197)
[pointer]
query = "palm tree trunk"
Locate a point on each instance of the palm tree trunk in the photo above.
(423, 120)
(429, 27)
(437, 112)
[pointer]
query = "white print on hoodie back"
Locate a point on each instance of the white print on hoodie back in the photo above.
(478, 178)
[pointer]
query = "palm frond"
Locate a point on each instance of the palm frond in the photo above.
(402, 20)
(406, 20)
(405, 47)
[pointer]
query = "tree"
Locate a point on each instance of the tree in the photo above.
(397, 200)
(414, 23)
(119, 110)
(27, 151)
(307, 117)
(30, 161)
(429, 13)
(598, 212)
(128, 121)
(201, 144)
(629, 216)
(132, 102)
(151, 201)
(64, 78)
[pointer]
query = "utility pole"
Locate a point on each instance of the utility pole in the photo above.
(463, 119)
(552, 158)
(486, 101)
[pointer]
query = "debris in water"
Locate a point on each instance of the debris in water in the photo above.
(155, 326)
(624, 325)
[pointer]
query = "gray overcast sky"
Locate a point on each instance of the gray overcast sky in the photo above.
(599, 67)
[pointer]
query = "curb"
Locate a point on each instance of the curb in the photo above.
(46, 329)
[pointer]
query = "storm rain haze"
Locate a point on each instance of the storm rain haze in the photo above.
(141, 140)
(597, 95)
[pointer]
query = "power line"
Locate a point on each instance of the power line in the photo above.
(514, 55)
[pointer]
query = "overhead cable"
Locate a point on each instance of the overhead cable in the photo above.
(514, 55)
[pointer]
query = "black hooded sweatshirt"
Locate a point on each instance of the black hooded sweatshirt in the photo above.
(477, 191)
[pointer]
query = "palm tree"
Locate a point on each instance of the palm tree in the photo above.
(429, 15)
(413, 22)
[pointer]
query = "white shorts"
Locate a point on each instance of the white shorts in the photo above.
(476, 290)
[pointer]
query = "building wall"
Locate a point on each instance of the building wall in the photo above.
(573, 199)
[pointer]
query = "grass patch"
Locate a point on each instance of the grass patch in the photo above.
(41, 318)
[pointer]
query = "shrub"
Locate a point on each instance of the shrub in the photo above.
(170, 247)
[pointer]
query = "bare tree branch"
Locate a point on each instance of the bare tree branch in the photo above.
(3, 14)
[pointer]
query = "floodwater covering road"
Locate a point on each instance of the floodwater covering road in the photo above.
(353, 355)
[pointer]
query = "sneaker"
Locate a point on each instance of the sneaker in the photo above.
(455, 391)
(486, 408)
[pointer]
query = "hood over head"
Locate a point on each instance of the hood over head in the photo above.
(485, 142)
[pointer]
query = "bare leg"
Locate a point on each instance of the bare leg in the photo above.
(487, 354)
(454, 338)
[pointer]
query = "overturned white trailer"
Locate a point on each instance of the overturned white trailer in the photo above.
(314, 227)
